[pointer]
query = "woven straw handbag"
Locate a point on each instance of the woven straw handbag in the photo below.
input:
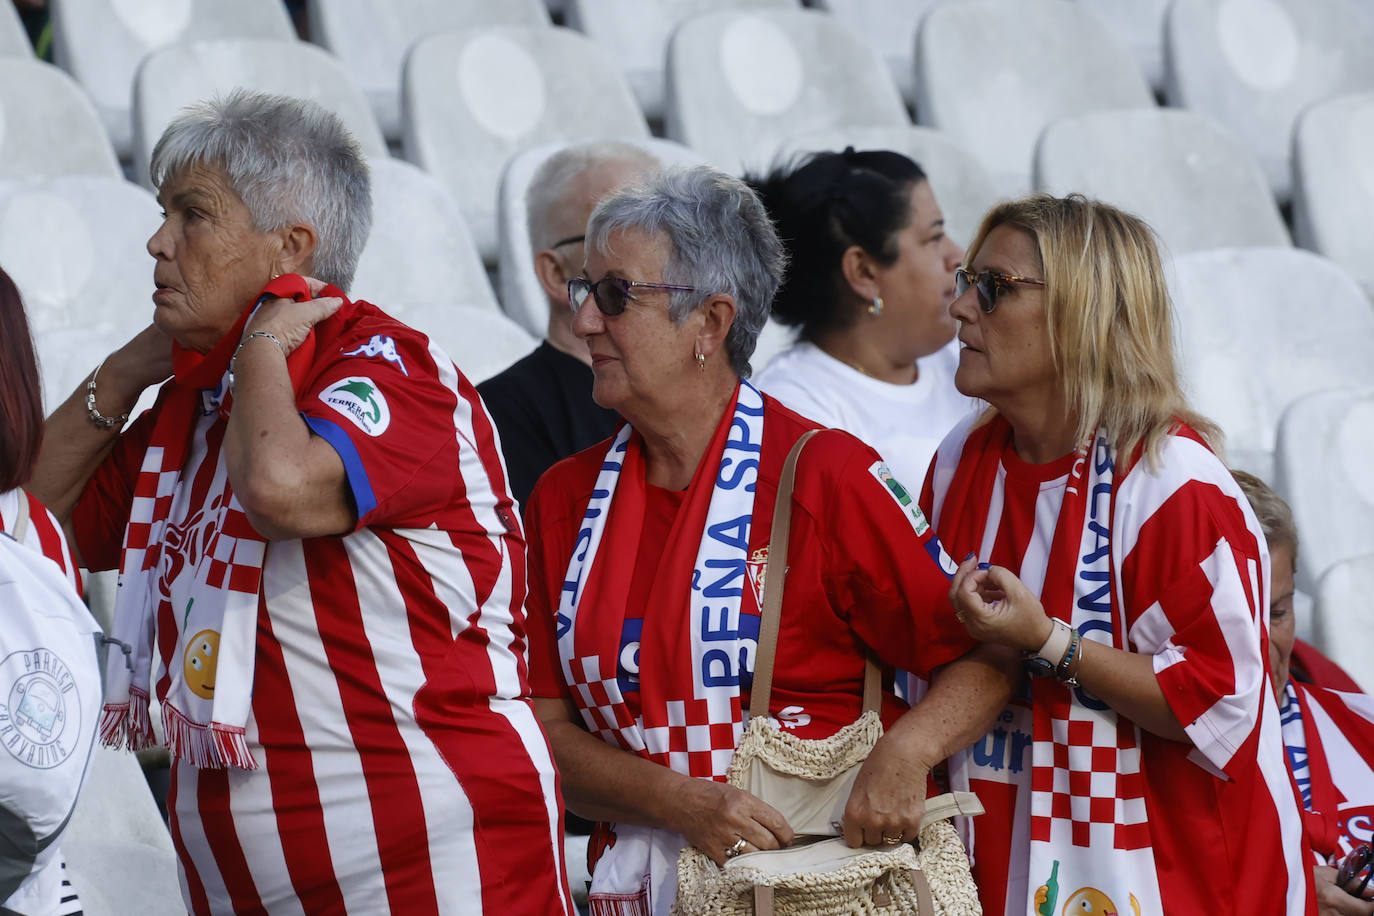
(809, 782)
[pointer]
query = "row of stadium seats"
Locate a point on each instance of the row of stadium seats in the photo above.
(740, 87)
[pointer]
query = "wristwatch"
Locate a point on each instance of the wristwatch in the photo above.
(1055, 656)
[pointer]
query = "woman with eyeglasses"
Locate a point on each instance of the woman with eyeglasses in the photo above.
(647, 553)
(1140, 768)
(869, 285)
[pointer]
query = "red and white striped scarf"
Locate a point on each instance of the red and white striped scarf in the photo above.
(1087, 789)
(691, 651)
(207, 648)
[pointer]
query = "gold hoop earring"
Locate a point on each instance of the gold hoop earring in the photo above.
(875, 308)
(701, 361)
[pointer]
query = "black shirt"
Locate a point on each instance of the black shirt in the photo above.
(543, 409)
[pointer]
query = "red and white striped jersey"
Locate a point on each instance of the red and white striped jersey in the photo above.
(1189, 578)
(402, 769)
(43, 533)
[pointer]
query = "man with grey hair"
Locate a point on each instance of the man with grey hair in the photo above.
(542, 405)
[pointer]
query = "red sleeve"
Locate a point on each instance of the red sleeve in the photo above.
(102, 512)
(397, 420)
(548, 520)
(889, 573)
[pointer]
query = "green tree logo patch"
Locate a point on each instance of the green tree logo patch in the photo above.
(361, 401)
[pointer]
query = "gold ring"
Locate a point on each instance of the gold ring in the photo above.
(892, 840)
(736, 849)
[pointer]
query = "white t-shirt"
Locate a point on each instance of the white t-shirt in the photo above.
(905, 423)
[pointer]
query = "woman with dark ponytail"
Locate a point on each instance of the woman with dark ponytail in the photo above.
(869, 281)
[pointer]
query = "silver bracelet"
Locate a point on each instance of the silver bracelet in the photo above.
(233, 360)
(97, 418)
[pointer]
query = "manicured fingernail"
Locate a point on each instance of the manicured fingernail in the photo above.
(985, 566)
(967, 558)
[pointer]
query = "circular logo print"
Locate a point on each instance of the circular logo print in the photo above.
(40, 719)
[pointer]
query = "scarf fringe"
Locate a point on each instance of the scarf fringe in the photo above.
(214, 746)
(127, 725)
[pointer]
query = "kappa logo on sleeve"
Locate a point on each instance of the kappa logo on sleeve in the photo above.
(899, 495)
(360, 400)
(384, 347)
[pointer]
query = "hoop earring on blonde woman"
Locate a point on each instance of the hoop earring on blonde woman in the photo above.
(875, 308)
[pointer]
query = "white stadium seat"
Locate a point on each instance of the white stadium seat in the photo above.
(179, 75)
(420, 249)
(634, 34)
(739, 83)
(75, 247)
(890, 27)
(1333, 182)
(14, 41)
(1323, 468)
(1256, 64)
(473, 98)
(962, 186)
(1140, 24)
(995, 73)
(373, 36)
(1181, 172)
(48, 126)
(1341, 616)
(119, 853)
(522, 297)
(481, 341)
(101, 42)
(1251, 342)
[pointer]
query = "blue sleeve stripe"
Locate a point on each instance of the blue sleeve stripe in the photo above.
(332, 433)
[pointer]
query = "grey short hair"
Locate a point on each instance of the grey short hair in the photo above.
(720, 241)
(289, 160)
(549, 186)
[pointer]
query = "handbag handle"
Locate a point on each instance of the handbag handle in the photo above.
(774, 578)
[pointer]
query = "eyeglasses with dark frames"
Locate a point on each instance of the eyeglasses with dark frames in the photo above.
(990, 284)
(612, 293)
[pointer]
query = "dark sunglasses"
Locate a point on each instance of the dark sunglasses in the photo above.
(989, 284)
(611, 293)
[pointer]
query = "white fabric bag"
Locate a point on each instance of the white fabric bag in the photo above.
(50, 697)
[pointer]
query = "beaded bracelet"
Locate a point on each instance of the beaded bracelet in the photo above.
(98, 419)
(234, 359)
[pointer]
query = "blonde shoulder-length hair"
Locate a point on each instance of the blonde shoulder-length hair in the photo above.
(1109, 317)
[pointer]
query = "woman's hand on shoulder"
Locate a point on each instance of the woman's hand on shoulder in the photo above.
(716, 816)
(291, 321)
(144, 361)
(995, 606)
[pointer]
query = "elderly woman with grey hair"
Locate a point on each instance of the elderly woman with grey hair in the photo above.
(647, 553)
(320, 565)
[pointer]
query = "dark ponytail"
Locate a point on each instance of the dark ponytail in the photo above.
(821, 207)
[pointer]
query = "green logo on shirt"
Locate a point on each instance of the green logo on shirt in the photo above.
(361, 401)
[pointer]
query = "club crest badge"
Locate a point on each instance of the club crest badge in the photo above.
(40, 709)
(361, 401)
(757, 565)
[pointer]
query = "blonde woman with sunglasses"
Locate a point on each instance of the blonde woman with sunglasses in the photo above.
(1140, 768)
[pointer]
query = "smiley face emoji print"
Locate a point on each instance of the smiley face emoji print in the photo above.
(200, 662)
